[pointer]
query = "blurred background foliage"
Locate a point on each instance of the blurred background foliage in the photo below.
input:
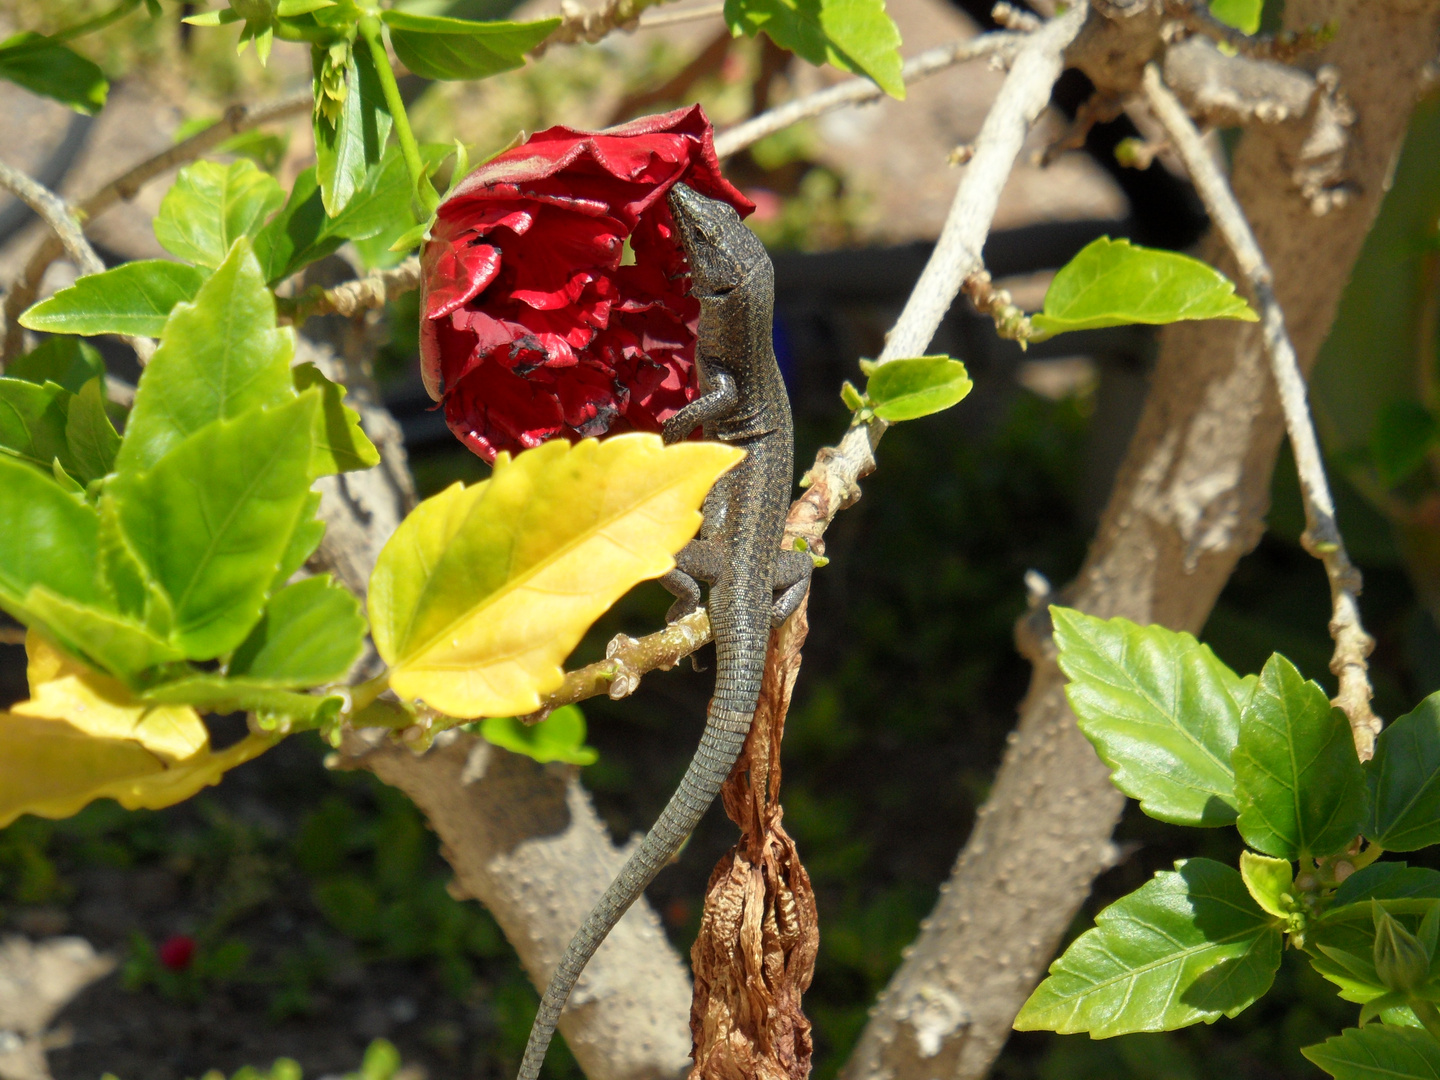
(316, 901)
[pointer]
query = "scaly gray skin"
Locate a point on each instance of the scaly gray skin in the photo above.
(742, 402)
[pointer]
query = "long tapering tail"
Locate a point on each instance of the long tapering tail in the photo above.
(739, 667)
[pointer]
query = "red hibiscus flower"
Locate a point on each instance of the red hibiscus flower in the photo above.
(536, 321)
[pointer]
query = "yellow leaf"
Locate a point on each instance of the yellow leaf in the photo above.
(62, 688)
(53, 769)
(483, 591)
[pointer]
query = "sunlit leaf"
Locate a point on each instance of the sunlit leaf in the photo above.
(436, 47)
(911, 388)
(135, 298)
(311, 632)
(1298, 780)
(1185, 947)
(211, 205)
(347, 147)
(113, 642)
(559, 737)
(1404, 781)
(219, 357)
(32, 422)
(298, 235)
(90, 436)
(1113, 282)
(50, 539)
(854, 35)
(1243, 15)
(217, 693)
(1162, 711)
(483, 591)
(212, 519)
(1270, 882)
(339, 444)
(48, 68)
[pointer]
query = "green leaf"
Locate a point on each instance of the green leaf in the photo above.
(49, 539)
(91, 438)
(1299, 783)
(111, 642)
(210, 206)
(32, 422)
(219, 357)
(346, 148)
(46, 67)
(135, 298)
(911, 388)
(215, 693)
(1378, 1052)
(1113, 282)
(435, 47)
(1184, 947)
(340, 445)
(1388, 881)
(1270, 882)
(559, 737)
(1403, 434)
(1243, 15)
(63, 360)
(303, 542)
(855, 35)
(297, 236)
(1404, 781)
(1162, 711)
(311, 633)
(211, 521)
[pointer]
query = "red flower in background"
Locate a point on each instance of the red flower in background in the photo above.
(531, 327)
(177, 951)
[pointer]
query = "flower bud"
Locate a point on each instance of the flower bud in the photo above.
(1401, 961)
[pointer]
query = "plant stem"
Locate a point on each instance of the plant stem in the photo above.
(1427, 1014)
(370, 30)
(99, 22)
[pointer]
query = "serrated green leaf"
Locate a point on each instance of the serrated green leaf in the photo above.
(340, 444)
(110, 641)
(346, 149)
(1378, 1052)
(1270, 882)
(216, 693)
(1404, 433)
(1162, 711)
(32, 422)
(311, 633)
(219, 357)
(1243, 15)
(50, 539)
(297, 236)
(211, 205)
(436, 47)
(1298, 782)
(135, 298)
(48, 68)
(212, 519)
(1114, 283)
(1185, 947)
(63, 360)
(559, 737)
(130, 588)
(303, 542)
(855, 35)
(89, 435)
(1404, 781)
(917, 386)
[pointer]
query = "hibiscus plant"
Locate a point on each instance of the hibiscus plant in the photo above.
(162, 543)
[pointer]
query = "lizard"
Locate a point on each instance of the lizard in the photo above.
(737, 550)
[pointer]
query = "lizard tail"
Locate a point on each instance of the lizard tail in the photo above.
(739, 668)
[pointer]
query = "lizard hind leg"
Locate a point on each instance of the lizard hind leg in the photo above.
(697, 561)
(791, 579)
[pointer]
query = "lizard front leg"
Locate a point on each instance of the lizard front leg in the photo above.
(716, 405)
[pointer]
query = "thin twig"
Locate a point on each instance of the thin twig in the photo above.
(858, 91)
(65, 224)
(1322, 536)
(374, 290)
(589, 25)
(684, 15)
(832, 482)
(124, 187)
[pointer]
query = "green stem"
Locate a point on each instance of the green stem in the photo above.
(370, 30)
(99, 22)
(1427, 1014)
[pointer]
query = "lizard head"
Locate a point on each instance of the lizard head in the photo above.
(721, 250)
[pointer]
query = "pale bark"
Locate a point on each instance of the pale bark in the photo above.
(1189, 501)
